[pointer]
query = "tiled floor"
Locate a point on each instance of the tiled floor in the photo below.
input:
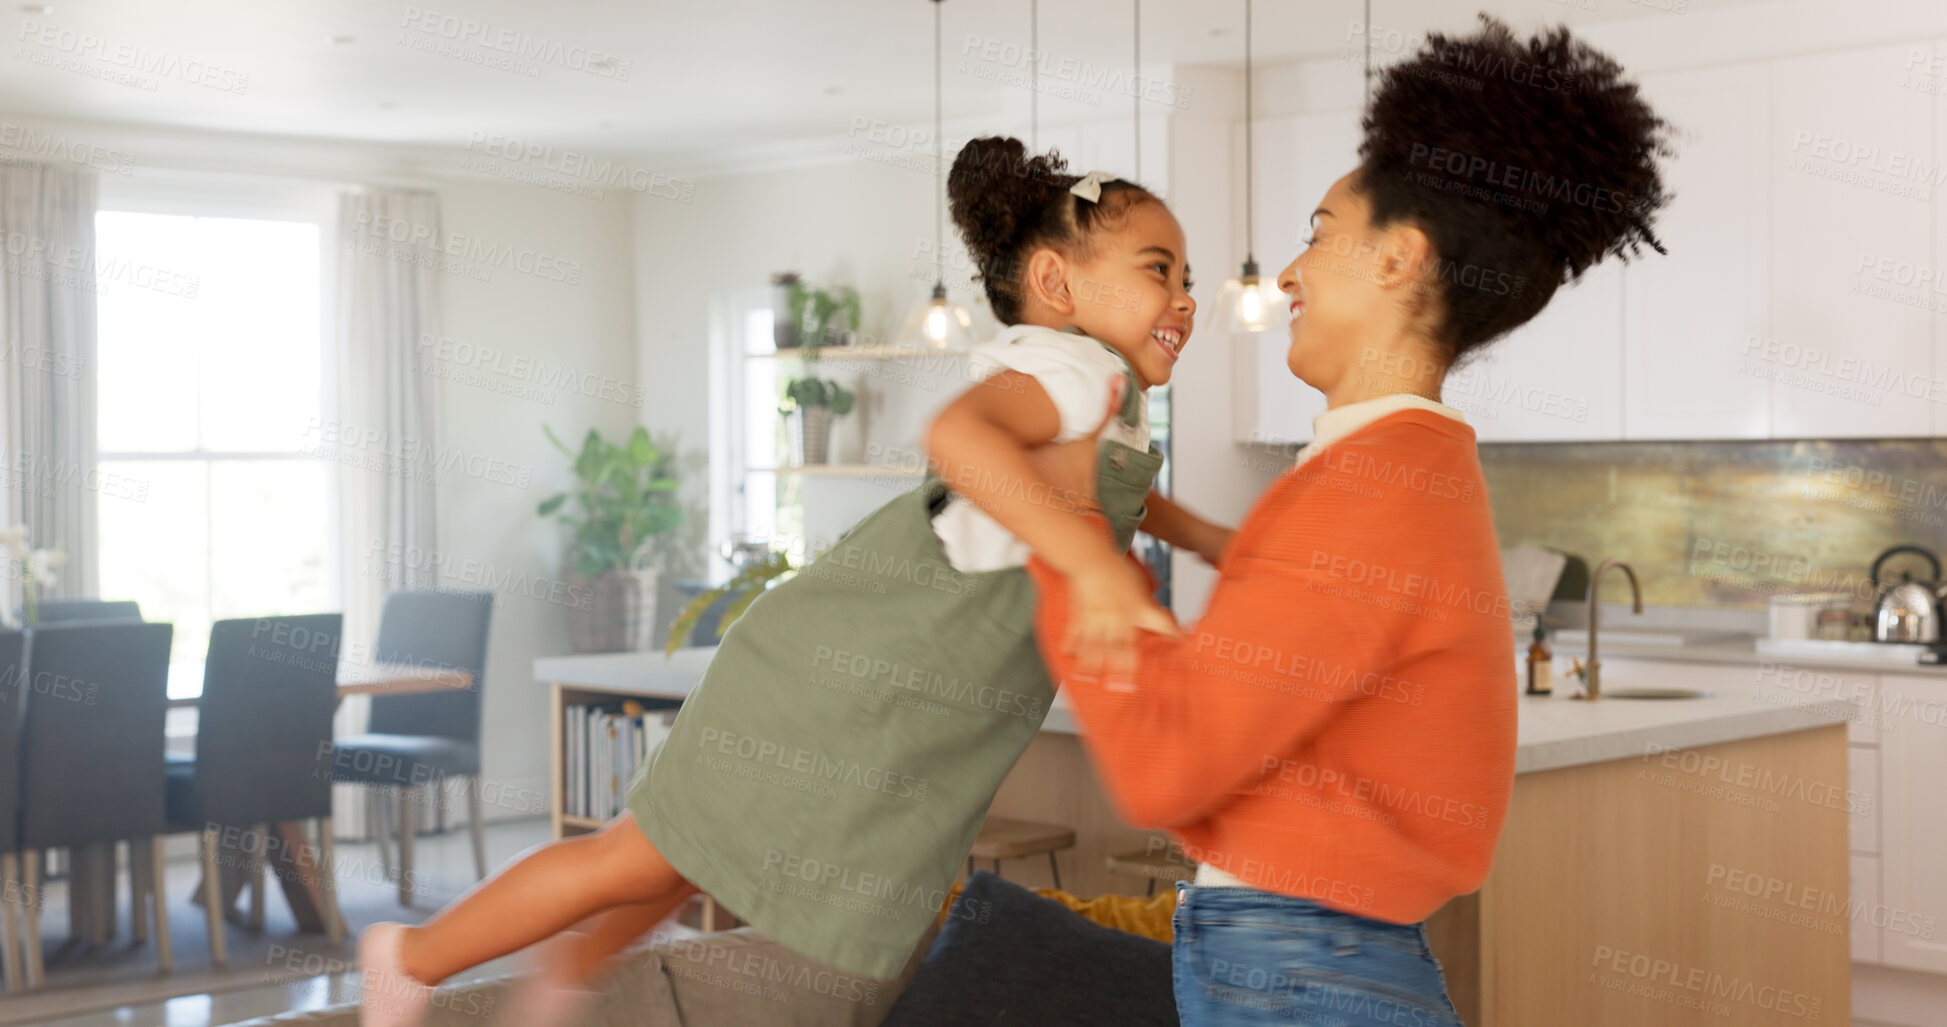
(441, 858)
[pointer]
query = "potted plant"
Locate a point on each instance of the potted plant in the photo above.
(784, 325)
(809, 405)
(742, 590)
(625, 497)
(821, 317)
(38, 568)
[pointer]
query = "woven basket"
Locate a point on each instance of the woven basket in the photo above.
(616, 611)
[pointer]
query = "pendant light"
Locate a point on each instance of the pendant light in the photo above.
(935, 322)
(1250, 302)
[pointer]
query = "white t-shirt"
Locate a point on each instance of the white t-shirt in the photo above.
(1078, 374)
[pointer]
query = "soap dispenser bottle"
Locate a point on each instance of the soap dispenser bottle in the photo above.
(1541, 663)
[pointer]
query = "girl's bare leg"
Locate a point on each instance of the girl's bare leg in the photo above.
(539, 895)
(582, 956)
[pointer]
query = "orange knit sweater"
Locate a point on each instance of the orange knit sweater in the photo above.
(1340, 724)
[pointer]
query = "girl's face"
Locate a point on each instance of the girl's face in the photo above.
(1134, 292)
(1336, 290)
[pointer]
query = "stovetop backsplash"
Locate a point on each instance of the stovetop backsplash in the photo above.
(1718, 524)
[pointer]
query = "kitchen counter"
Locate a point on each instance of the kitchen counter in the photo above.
(1554, 731)
(1743, 651)
(1557, 731)
(653, 675)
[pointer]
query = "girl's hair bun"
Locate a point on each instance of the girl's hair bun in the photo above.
(996, 191)
(1006, 202)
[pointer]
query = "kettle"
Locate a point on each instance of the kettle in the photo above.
(1910, 610)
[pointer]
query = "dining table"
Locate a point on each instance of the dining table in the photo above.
(287, 852)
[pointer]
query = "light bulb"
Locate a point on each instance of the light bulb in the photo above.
(1249, 302)
(936, 322)
(1250, 307)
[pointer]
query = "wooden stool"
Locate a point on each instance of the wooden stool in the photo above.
(1001, 838)
(1171, 865)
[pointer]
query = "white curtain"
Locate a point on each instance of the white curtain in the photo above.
(387, 413)
(47, 367)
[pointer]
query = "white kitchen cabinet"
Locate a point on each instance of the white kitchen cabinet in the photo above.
(1295, 159)
(1866, 936)
(1689, 314)
(1937, 403)
(1557, 378)
(1852, 180)
(1862, 778)
(1913, 763)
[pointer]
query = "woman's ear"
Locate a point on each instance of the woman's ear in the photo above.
(1047, 281)
(1409, 258)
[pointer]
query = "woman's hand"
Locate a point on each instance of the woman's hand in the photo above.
(1109, 602)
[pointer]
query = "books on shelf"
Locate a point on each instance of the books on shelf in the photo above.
(606, 745)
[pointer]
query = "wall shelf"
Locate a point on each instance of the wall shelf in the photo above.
(856, 353)
(842, 471)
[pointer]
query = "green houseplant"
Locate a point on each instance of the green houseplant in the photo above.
(625, 496)
(808, 407)
(821, 317)
(743, 589)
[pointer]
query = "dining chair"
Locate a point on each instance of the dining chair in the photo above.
(87, 869)
(263, 754)
(62, 611)
(420, 740)
(13, 651)
(91, 757)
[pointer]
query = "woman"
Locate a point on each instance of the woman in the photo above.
(1334, 741)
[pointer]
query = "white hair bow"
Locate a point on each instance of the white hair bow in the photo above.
(1090, 186)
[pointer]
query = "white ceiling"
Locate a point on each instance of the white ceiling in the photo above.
(702, 76)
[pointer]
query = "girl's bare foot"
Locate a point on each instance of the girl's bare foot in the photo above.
(548, 995)
(388, 996)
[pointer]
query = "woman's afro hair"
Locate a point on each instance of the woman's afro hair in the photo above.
(1524, 162)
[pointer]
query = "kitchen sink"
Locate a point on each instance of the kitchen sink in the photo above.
(1653, 693)
(1571, 638)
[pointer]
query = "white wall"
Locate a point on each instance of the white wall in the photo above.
(867, 223)
(587, 327)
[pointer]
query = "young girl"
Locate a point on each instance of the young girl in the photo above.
(828, 775)
(1334, 741)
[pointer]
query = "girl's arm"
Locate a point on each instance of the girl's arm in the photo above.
(979, 445)
(1179, 527)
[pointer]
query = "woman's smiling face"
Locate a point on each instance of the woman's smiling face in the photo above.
(1334, 289)
(1365, 304)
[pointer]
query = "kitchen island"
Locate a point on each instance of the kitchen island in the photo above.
(1667, 862)
(1663, 862)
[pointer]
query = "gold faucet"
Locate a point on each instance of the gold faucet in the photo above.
(1591, 673)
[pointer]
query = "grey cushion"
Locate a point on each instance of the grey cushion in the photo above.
(181, 797)
(734, 978)
(1009, 956)
(401, 759)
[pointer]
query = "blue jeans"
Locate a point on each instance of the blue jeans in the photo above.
(1244, 956)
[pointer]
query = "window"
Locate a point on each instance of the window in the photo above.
(209, 390)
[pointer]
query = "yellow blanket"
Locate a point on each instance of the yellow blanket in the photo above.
(1144, 917)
